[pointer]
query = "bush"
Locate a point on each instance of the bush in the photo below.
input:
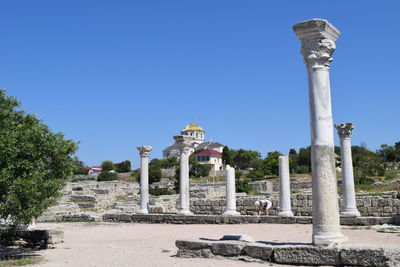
(256, 175)
(389, 175)
(242, 186)
(238, 174)
(155, 174)
(159, 191)
(203, 170)
(107, 176)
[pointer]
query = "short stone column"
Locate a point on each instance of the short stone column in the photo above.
(318, 38)
(144, 152)
(349, 208)
(284, 187)
(230, 192)
(183, 143)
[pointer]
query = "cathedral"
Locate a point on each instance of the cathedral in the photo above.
(209, 152)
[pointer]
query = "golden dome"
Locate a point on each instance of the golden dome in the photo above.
(193, 127)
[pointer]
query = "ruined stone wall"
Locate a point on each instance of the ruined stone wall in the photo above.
(90, 198)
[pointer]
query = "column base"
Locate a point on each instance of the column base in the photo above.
(230, 213)
(287, 213)
(143, 211)
(184, 212)
(350, 213)
(329, 239)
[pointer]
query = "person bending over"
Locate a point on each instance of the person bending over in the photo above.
(263, 206)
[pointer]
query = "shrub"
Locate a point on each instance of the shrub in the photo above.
(107, 176)
(256, 175)
(155, 174)
(159, 191)
(242, 186)
(238, 174)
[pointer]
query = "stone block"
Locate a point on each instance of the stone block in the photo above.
(86, 205)
(259, 251)
(382, 202)
(79, 198)
(367, 201)
(369, 256)
(309, 255)
(192, 244)
(231, 248)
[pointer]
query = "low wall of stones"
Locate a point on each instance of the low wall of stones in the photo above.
(38, 238)
(378, 206)
(90, 200)
(346, 255)
(239, 219)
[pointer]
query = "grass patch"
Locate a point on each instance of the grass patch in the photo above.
(373, 188)
(21, 261)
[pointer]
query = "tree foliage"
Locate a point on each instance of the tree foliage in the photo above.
(155, 174)
(107, 165)
(124, 166)
(34, 162)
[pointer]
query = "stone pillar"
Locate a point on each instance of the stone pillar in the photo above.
(349, 195)
(230, 192)
(144, 152)
(318, 38)
(183, 143)
(284, 187)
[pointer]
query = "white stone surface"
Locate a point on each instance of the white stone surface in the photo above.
(318, 38)
(144, 152)
(349, 195)
(230, 192)
(284, 186)
(184, 143)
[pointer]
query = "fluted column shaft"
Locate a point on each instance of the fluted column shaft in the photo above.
(144, 152)
(349, 208)
(230, 192)
(318, 43)
(284, 186)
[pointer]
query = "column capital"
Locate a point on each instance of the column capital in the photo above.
(344, 129)
(144, 151)
(184, 143)
(317, 38)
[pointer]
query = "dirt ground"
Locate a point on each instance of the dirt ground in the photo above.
(118, 244)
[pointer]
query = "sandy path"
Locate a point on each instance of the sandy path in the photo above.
(107, 244)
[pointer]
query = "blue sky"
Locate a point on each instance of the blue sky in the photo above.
(118, 74)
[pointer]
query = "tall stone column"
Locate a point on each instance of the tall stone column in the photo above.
(284, 186)
(144, 152)
(318, 38)
(230, 192)
(183, 143)
(349, 195)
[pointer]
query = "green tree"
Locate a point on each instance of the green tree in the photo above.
(34, 162)
(271, 163)
(155, 174)
(169, 162)
(227, 156)
(108, 165)
(366, 164)
(124, 166)
(79, 167)
(203, 170)
(243, 158)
